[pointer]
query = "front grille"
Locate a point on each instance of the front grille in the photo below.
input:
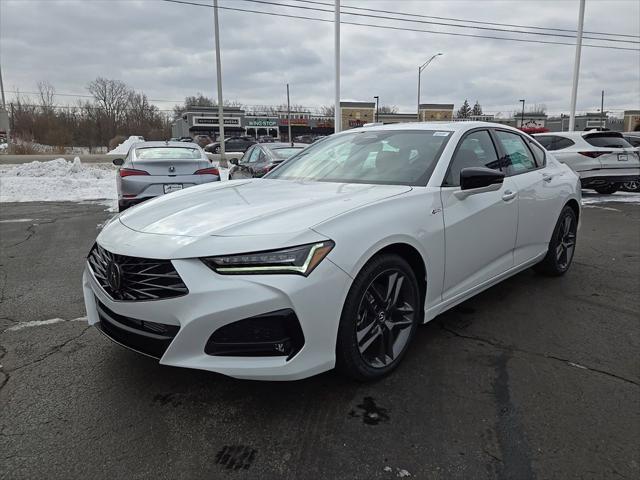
(132, 278)
(143, 336)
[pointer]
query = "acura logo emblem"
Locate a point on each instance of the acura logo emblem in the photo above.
(114, 276)
(172, 168)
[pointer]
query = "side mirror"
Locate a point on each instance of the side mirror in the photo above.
(234, 161)
(480, 177)
(118, 162)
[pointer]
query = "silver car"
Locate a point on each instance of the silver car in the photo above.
(151, 169)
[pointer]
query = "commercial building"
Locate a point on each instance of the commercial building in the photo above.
(356, 114)
(434, 112)
(631, 121)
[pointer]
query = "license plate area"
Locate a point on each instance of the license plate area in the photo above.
(623, 157)
(172, 187)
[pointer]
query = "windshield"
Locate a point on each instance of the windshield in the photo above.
(284, 153)
(171, 153)
(391, 157)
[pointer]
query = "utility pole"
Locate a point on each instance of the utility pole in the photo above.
(4, 115)
(219, 80)
(377, 103)
(337, 118)
(576, 68)
(289, 116)
(602, 111)
(522, 117)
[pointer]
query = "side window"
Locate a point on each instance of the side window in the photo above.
(475, 150)
(255, 154)
(518, 158)
(538, 153)
(246, 156)
(563, 143)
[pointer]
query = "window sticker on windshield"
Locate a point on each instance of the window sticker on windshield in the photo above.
(441, 134)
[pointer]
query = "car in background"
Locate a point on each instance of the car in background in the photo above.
(152, 169)
(232, 144)
(634, 139)
(202, 140)
(267, 139)
(604, 160)
(262, 158)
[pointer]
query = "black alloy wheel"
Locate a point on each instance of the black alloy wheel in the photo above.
(379, 318)
(562, 245)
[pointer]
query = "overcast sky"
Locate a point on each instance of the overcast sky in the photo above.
(166, 50)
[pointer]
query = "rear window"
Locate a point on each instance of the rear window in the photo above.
(284, 153)
(169, 153)
(607, 141)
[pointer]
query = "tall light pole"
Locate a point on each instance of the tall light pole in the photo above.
(420, 69)
(602, 111)
(289, 116)
(377, 103)
(336, 110)
(576, 68)
(219, 79)
(522, 116)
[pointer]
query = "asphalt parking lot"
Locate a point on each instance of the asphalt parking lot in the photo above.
(534, 378)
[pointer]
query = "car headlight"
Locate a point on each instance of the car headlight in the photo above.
(299, 260)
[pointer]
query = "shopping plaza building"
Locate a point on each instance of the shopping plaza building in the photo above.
(205, 121)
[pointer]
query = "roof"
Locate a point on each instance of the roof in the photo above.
(448, 126)
(357, 104)
(165, 144)
(275, 145)
(436, 106)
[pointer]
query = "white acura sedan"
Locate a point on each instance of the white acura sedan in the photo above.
(336, 256)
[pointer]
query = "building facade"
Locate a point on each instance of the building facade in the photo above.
(356, 114)
(631, 121)
(435, 112)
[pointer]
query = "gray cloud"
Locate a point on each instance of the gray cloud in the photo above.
(166, 50)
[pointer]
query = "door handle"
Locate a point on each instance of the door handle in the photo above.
(546, 177)
(508, 195)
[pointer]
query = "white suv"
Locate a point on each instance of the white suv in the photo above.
(604, 160)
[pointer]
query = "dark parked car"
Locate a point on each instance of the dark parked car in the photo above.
(261, 158)
(231, 144)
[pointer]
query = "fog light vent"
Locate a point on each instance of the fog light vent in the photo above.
(271, 334)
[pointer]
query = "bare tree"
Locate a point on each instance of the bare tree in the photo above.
(388, 109)
(46, 93)
(112, 97)
(328, 110)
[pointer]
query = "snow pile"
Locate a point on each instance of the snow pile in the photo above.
(3, 146)
(123, 148)
(57, 181)
(589, 197)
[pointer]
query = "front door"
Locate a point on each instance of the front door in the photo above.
(480, 229)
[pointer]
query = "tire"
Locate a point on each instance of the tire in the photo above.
(562, 245)
(375, 331)
(607, 189)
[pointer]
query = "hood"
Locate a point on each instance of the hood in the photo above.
(252, 207)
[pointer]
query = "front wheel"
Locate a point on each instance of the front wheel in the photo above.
(562, 245)
(216, 149)
(607, 189)
(379, 318)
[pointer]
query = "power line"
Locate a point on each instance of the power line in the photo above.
(492, 29)
(405, 29)
(467, 21)
(89, 96)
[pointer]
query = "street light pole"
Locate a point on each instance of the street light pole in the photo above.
(219, 79)
(377, 100)
(420, 69)
(289, 116)
(602, 111)
(576, 68)
(522, 117)
(336, 110)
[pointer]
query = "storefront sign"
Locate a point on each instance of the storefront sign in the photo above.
(213, 121)
(295, 121)
(261, 122)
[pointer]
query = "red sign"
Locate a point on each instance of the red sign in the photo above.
(295, 121)
(356, 123)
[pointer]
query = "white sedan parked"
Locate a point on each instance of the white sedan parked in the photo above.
(604, 160)
(335, 257)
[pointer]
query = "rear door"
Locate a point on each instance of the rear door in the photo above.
(480, 230)
(539, 192)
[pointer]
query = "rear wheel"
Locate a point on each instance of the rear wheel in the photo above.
(379, 319)
(607, 189)
(562, 245)
(216, 149)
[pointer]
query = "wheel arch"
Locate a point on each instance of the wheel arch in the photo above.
(575, 206)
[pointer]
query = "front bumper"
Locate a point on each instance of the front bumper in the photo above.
(216, 300)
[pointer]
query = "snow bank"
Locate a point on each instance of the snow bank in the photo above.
(57, 181)
(123, 148)
(589, 197)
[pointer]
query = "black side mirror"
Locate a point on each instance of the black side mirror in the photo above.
(118, 162)
(234, 161)
(479, 177)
